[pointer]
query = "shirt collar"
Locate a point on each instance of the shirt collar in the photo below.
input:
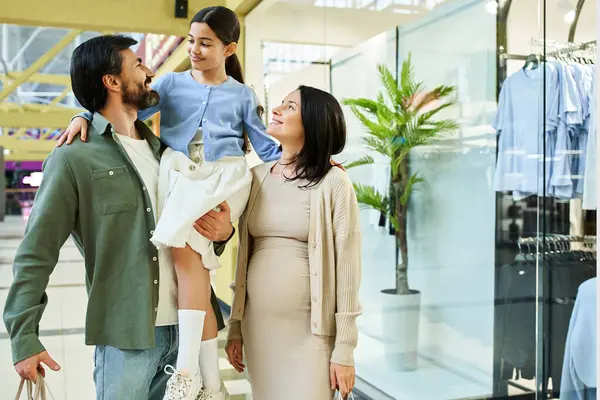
(103, 126)
(100, 124)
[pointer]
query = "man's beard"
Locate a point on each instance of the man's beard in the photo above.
(141, 98)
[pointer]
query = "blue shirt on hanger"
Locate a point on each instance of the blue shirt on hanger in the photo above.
(589, 175)
(570, 119)
(578, 381)
(584, 78)
(521, 123)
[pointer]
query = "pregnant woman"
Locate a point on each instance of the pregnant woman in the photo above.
(296, 290)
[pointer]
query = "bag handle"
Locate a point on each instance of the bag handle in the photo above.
(40, 392)
(338, 395)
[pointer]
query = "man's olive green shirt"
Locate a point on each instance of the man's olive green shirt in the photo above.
(93, 192)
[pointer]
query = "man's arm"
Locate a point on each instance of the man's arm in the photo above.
(51, 221)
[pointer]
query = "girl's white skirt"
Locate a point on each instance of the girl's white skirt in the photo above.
(187, 190)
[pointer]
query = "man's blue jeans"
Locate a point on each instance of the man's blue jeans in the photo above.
(135, 374)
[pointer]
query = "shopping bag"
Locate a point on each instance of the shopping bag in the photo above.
(39, 391)
(338, 396)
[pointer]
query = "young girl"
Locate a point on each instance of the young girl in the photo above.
(205, 115)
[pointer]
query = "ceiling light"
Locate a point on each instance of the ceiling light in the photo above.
(570, 17)
(492, 7)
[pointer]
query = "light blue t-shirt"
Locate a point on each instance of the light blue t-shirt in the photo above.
(579, 363)
(520, 125)
(589, 178)
(584, 79)
(223, 111)
(570, 120)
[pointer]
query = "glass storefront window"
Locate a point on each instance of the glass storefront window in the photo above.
(501, 233)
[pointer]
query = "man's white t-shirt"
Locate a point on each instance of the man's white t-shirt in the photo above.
(147, 166)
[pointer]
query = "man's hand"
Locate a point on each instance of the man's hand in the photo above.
(215, 225)
(29, 367)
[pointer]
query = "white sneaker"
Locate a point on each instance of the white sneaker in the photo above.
(182, 387)
(208, 394)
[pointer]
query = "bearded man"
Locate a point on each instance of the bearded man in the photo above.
(104, 193)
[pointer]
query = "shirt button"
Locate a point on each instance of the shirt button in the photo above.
(144, 188)
(204, 120)
(154, 258)
(152, 232)
(314, 299)
(204, 102)
(192, 167)
(111, 173)
(156, 281)
(156, 309)
(148, 209)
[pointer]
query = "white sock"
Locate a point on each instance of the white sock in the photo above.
(209, 364)
(191, 325)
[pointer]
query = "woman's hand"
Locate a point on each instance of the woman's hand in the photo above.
(78, 125)
(235, 354)
(342, 378)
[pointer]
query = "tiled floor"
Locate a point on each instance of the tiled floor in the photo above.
(61, 328)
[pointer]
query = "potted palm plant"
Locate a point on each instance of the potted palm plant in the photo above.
(400, 119)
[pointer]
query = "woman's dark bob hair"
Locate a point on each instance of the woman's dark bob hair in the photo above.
(324, 135)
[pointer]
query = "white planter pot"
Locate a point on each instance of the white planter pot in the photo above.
(400, 323)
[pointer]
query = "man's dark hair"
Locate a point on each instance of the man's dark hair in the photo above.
(92, 60)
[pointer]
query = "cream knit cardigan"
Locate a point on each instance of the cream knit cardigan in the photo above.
(334, 260)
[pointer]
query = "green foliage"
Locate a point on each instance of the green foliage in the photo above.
(402, 117)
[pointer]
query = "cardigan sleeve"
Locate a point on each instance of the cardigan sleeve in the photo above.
(347, 240)
(234, 331)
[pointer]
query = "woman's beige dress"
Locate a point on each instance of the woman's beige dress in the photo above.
(285, 360)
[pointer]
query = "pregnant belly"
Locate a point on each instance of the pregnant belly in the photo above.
(278, 281)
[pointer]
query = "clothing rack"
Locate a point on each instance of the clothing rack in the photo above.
(560, 44)
(560, 48)
(556, 238)
(557, 243)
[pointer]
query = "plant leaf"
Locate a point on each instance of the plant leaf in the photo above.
(369, 197)
(379, 145)
(412, 181)
(366, 105)
(361, 161)
(389, 83)
(434, 95)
